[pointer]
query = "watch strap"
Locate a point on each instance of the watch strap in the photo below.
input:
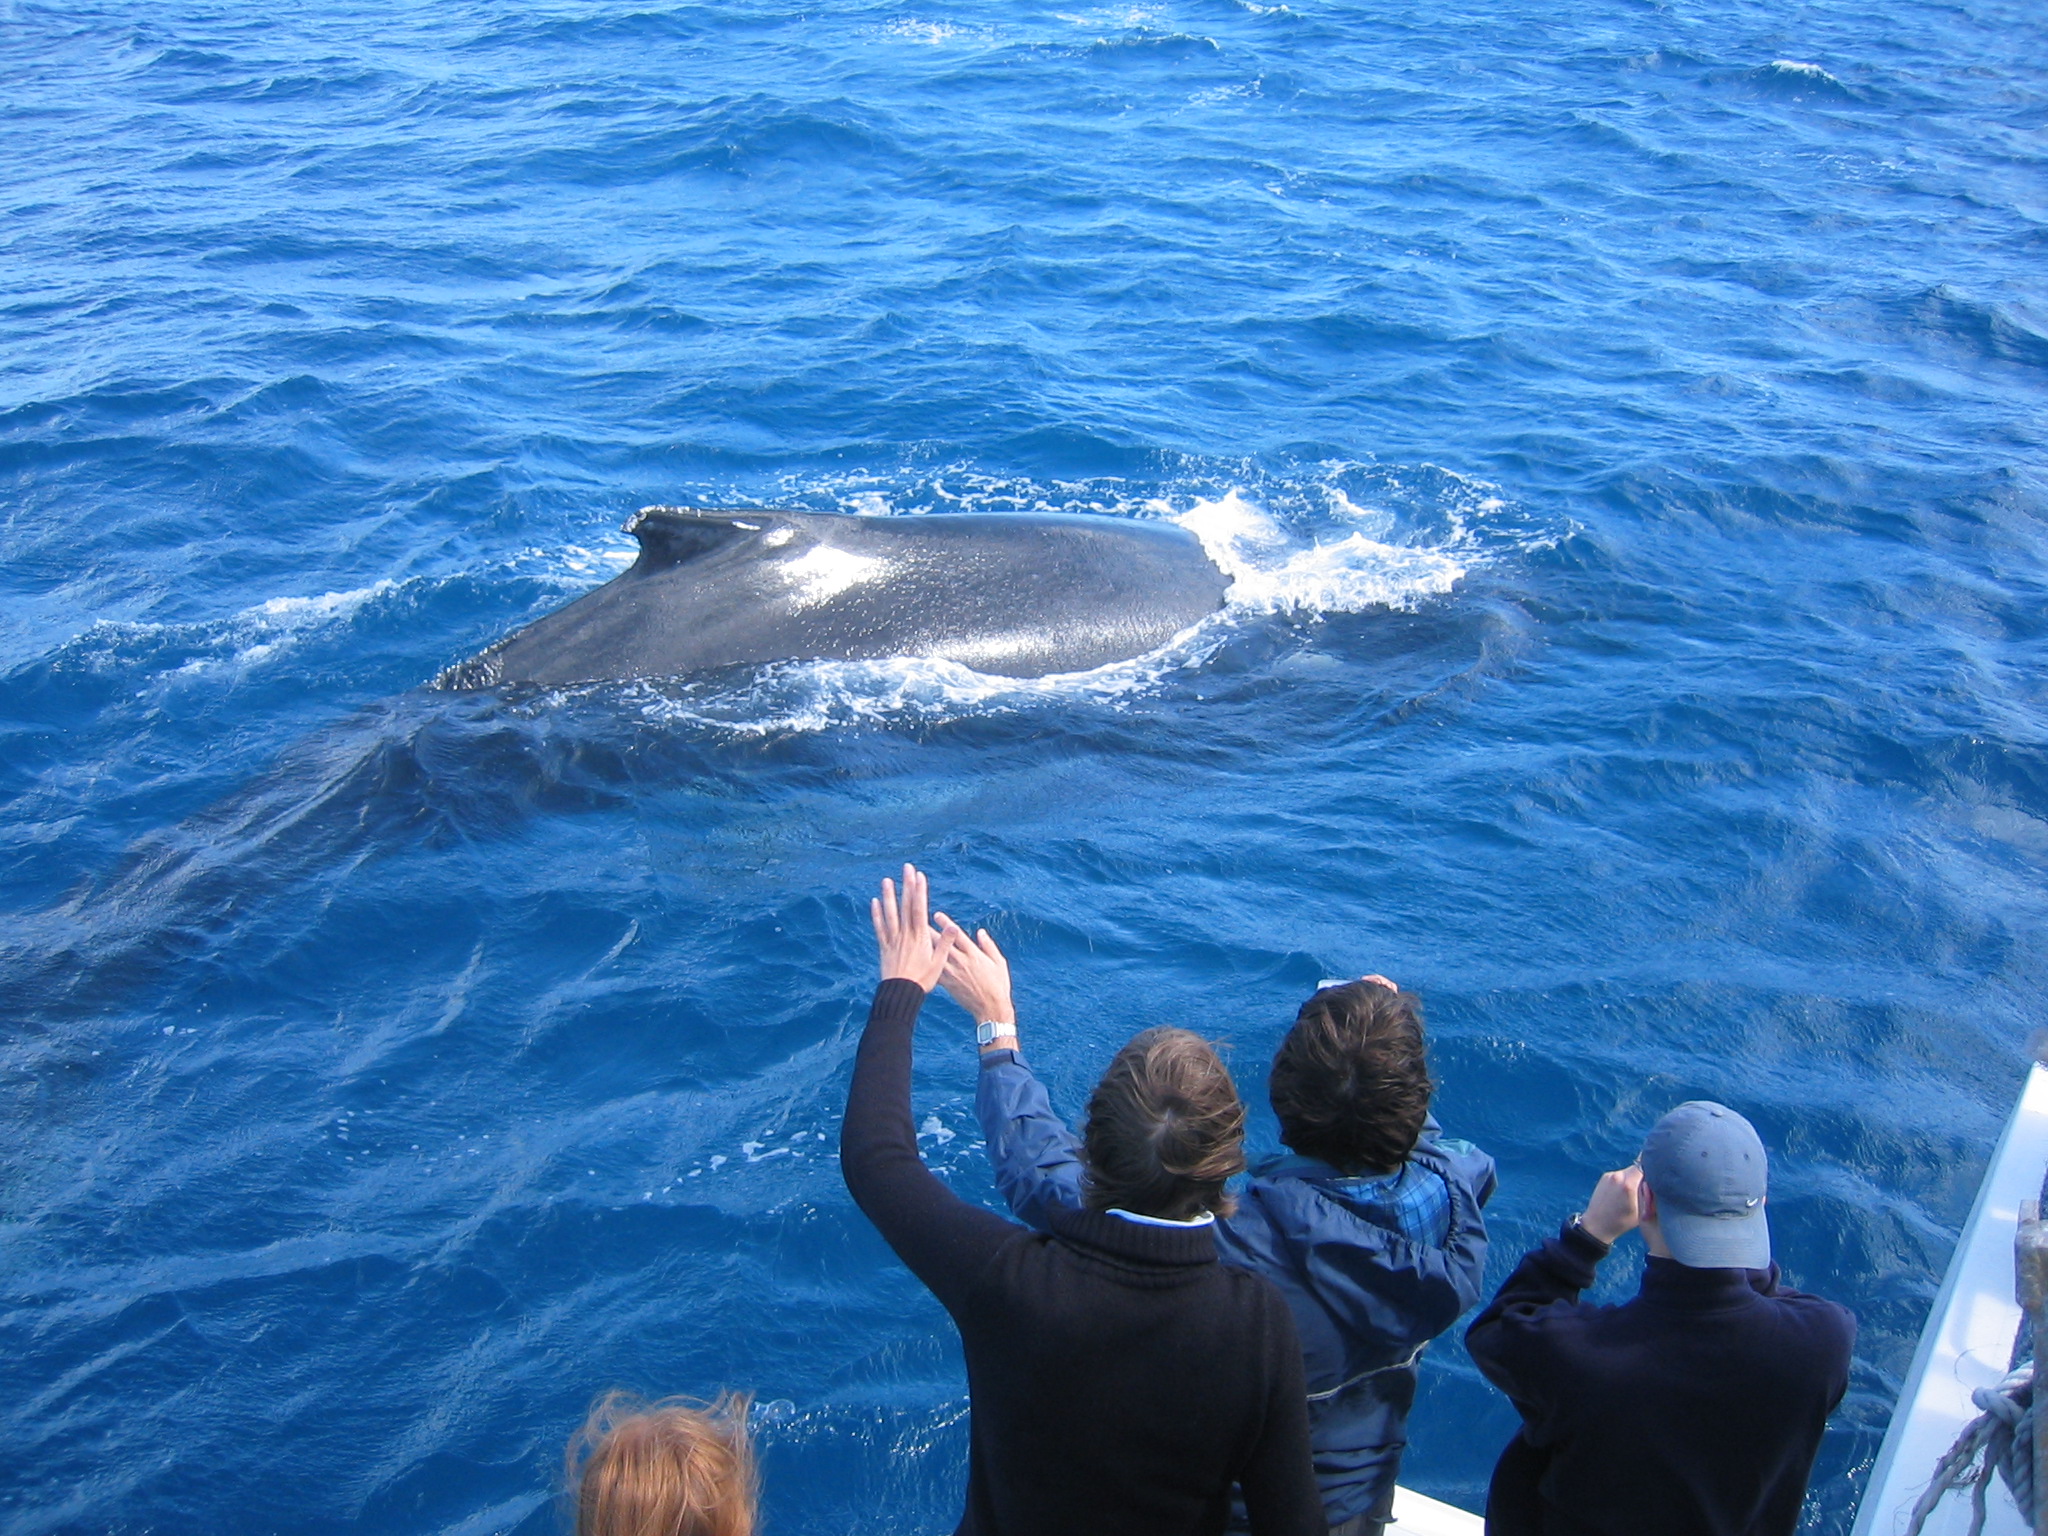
(1574, 1226)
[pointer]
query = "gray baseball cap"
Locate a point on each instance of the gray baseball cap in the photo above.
(1707, 1167)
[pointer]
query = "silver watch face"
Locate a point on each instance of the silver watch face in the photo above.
(987, 1034)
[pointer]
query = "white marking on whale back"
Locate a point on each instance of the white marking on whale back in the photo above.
(821, 573)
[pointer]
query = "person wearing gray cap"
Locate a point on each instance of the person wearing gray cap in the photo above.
(1696, 1408)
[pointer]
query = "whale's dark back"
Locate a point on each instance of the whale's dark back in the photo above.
(1019, 595)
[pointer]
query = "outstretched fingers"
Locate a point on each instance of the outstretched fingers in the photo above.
(956, 946)
(911, 948)
(916, 894)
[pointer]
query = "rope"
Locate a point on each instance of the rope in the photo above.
(2000, 1439)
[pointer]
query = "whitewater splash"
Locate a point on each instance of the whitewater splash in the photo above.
(254, 636)
(1270, 572)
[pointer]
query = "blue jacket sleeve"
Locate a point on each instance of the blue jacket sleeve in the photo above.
(1037, 1159)
(1470, 1164)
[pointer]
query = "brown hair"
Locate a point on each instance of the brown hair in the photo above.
(670, 1468)
(1350, 1082)
(1165, 1129)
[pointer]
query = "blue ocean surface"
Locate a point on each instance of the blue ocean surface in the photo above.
(1624, 420)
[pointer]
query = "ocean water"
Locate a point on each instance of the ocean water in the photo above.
(1624, 418)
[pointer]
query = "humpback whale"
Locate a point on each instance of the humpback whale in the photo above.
(1015, 594)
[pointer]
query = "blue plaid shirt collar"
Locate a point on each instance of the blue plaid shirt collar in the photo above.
(1411, 1201)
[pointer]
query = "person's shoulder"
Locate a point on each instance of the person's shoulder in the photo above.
(1026, 1262)
(1816, 1312)
(1248, 1286)
(1255, 1221)
(1566, 1314)
(1452, 1146)
(1808, 1343)
(1452, 1157)
(1282, 1204)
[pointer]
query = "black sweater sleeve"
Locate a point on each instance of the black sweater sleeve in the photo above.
(944, 1240)
(1279, 1484)
(1508, 1341)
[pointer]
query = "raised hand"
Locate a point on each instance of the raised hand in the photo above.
(1616, 1206)
(912, 950)
(977, 976)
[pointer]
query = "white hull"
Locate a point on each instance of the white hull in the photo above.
(1416, 1515)
(1967, 1342)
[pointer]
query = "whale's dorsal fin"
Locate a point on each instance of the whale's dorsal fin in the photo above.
(675, 535)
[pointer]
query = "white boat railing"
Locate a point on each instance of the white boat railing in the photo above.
(1967, 1343)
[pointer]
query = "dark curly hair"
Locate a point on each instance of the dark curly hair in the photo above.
(1165, 1129)
(1350, 1082)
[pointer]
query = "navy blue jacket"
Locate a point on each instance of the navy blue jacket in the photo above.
(1365, 1299)
(1693, 1410)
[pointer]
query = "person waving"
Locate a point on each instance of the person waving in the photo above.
(1121, 1380)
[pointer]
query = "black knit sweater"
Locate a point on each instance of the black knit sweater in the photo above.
(1120, 1378)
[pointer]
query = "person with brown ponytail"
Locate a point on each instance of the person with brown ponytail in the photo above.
(1120, 1379)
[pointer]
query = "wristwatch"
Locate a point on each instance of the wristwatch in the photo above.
(1578, 1225)
(988, 1032)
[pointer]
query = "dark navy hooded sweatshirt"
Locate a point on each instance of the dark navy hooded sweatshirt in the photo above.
(1365, 1299)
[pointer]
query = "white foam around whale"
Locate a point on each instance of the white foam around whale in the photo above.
(1309, 548)
(1270, 572)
